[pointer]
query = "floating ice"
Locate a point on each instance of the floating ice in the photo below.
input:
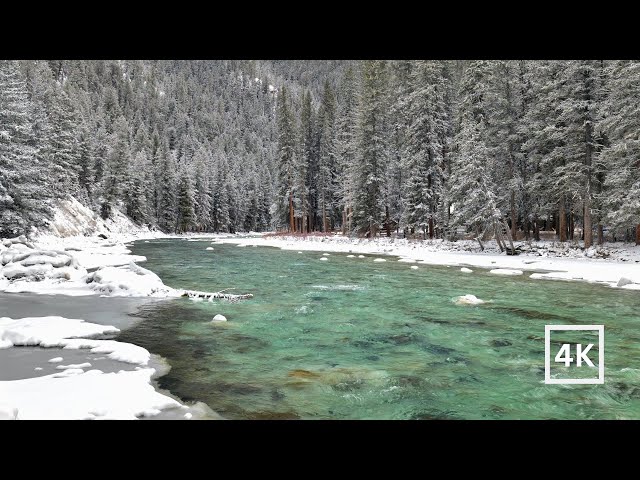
(324, 258)
(351, 256)
(466, 270)
(219, 318)
(209, 248)
(360, 256)
(414, 267)
(56, 360)
(79, 365)
(505, 271)
(379, 260)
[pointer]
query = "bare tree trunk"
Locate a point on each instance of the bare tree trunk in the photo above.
(638, 234)
(430, 227)
(562, 221)
(510, 238)
(498, 236)
(536, 229)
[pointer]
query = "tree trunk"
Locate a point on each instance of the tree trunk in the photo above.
(292, 224)
(572, 226)
(510, 238)
(562, 221)
(638, 234)
(588, 237)
(600, 234)
(344, 221)
(513, 214)
(430, 227)
(387, 222)
(536, 228)
(498, 236)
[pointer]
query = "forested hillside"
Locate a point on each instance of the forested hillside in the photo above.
(427, 148)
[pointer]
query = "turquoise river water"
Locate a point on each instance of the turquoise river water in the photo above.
(350, 338)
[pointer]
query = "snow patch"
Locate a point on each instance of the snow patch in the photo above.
(505, 271)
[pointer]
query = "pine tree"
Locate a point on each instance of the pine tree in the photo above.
(371, 156)
(186, 214)
(621, 125)
(167, 187)
(426, 134)
(118, 158)
(287, 159)
(21, 181)
(326, 158)
(345, 147)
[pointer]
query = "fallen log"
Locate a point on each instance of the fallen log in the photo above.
(209, 296)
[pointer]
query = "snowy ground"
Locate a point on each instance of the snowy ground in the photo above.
(616, 265)
(78, 390)
(81, 255)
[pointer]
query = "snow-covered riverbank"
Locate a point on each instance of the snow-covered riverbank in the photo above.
(616, 265)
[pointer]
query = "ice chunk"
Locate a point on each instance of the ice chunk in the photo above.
(379, 260)
(209, 248)
(505, 271)
(324, 258)
(219, 318)
(414, 267)
(56, 360)
(466, 270)
(79, 365)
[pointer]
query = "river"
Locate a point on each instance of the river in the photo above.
(350, 338)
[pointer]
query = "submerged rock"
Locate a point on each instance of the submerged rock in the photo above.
(209, 248)
(469, 300)
(624, 281)
(219, 318)
(379, 260)
(324, 258)
(500, 343)
(414, 267)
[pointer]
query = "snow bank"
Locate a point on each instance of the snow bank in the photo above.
(565, 261)
(91, 395)
(131, 281)
(66, 333)
(74, 393)
(469, 300)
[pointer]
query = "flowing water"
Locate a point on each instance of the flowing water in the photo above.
(350, 338)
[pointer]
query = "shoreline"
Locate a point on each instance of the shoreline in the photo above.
(547, 261)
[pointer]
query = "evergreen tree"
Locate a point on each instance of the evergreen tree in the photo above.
(371, 155)
(186, 212)
(21, 181)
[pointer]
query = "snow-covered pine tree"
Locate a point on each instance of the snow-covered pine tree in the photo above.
(345, 147)
(472, 190)
(306, 168)
(118, 157)
(186, 217)
(427, 128)
(621, 125)
(167, 188)
(286, 161)
(371, 154)
(326, 159)
(21, 169)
